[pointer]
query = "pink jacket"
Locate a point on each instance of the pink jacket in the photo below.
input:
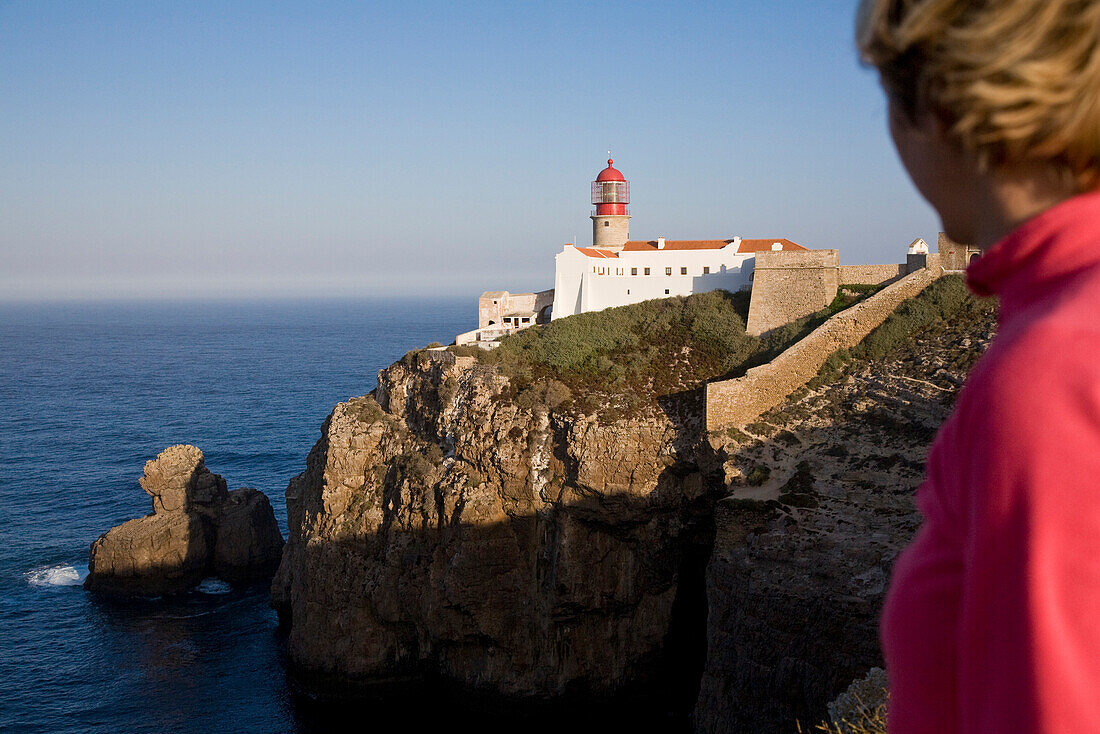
(992, 621)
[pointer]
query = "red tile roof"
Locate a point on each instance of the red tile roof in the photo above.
(766, 245)
(593, 252)
(746, 246)
(647, 245)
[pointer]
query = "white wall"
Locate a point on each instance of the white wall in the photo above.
(579, 289)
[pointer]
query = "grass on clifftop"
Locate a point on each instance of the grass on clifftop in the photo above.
(944, 302)
(649, 349)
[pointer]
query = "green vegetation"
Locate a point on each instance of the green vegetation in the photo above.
(848, 294)
(864, 288)
(946, 300)
(365, 409)
(758, 475)
(736, 434)
(621, 358)
(659, 346)
(643, 351)
(944, 303)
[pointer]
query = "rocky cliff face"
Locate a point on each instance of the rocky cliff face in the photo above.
(197, 528)
(448, 524)
(454, 523)
(821, 503)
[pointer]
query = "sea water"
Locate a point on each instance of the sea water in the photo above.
(88, 394)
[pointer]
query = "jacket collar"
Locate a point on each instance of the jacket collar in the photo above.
(1040, 254)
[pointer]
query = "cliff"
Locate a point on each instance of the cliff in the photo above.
(448, 525)
(820, 505)
(481, 521)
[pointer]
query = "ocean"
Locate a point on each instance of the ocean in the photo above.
(88, 394)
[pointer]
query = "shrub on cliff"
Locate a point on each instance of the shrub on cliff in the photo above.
(945, 300)
(657, 347)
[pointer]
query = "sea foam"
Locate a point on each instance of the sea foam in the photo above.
(61, 574)
(213, 586)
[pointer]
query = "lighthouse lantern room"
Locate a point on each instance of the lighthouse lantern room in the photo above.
(610, 220)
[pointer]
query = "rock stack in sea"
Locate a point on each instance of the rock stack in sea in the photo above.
(197, 529)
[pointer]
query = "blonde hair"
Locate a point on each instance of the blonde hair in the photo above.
(1015, 81)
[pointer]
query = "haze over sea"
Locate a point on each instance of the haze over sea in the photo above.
(88, 394)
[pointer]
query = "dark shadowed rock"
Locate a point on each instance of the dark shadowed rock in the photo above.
(197, 529)
(802, 559)
(248, 543)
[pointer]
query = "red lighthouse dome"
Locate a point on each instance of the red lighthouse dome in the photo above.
(610, 173)
(610, 191)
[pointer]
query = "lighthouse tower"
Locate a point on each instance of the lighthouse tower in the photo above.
(610, 221)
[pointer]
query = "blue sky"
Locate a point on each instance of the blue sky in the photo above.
(267, 149)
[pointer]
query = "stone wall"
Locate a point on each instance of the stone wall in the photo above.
(871, 274)
(739, 401)
(788, 285)
(917, 262)
(954, 255)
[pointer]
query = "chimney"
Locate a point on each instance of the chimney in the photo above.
(660, 243)
(777, 246)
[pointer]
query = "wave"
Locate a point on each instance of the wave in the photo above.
(61, 574)
(213, 586)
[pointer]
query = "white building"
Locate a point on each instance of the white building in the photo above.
(592, 279)
(617, 271)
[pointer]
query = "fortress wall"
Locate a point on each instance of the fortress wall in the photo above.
(788, 285)
(742, 400)
(931, 261)
(870, 274)
(954, 255)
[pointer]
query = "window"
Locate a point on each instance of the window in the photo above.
(647, 271)
(706, 270)
(628, 291)
(666, 291)
(633, 271)
(668, 271)
(683, 271)
(526, 320)
(607, 224)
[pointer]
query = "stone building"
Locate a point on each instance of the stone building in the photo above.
(500, 313)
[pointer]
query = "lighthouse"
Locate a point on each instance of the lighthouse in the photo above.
(610, 220)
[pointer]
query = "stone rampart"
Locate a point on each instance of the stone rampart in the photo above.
(955, 255)
(871, 274)
(740, 401)
(788, 285)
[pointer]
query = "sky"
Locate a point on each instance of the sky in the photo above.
(200, 150)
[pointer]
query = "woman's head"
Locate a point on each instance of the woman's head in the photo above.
(1011, 83)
